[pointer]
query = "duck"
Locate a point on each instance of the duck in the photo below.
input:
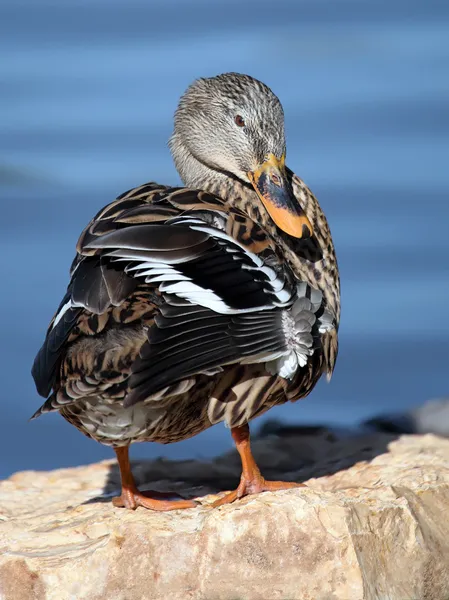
(202, 304)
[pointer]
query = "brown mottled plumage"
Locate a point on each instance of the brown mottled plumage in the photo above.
(188, 307)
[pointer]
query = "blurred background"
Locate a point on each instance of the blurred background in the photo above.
(87, 93)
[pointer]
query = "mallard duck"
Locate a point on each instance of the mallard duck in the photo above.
(190, 306)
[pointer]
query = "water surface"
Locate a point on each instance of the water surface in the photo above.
(87, 93)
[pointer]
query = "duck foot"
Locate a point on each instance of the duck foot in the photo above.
(247, 488)
(131, 497)
(251, 481)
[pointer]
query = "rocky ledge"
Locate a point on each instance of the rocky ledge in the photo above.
(371, 524)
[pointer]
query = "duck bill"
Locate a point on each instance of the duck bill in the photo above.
(272, 187)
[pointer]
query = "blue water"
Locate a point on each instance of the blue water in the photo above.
(87, 93)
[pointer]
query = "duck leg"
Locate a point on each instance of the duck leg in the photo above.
(132, 498)
(251, 481)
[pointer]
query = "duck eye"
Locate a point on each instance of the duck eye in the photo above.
(239, 121)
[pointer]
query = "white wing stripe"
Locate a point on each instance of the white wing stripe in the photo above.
(61, 313)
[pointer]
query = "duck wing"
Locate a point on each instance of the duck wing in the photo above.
(214, 290)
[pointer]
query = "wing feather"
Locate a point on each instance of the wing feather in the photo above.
(178, 347)
(216, 296)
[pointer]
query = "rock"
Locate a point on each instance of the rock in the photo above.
(371, 524)
(431, 417)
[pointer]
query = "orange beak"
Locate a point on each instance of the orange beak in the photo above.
(273, 188)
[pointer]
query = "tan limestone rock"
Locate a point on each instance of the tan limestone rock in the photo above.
(371, 525)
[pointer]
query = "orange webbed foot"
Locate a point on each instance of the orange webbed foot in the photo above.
(132, 498)
(255, 486)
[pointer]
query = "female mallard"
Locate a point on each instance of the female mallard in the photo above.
(195, 305)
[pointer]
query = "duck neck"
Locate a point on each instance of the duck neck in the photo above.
(197, 175)
(230, 189)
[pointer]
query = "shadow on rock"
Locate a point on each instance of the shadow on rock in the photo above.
(283, 452)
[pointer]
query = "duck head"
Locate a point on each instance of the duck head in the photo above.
(232, 126)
